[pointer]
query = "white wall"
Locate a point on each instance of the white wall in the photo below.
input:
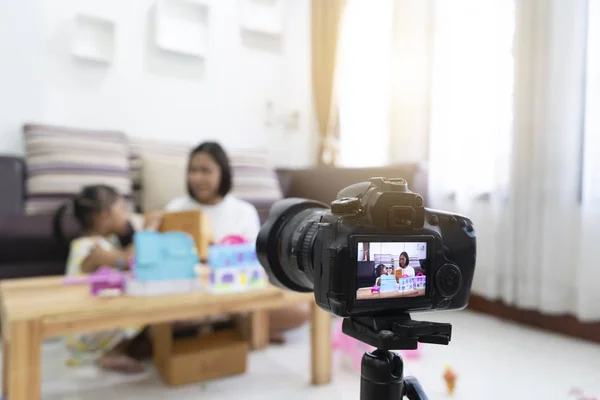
(152, 94)
(20, 78)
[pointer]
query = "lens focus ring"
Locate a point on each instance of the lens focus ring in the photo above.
(305, 259)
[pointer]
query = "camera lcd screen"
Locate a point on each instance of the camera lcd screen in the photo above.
(387, 270)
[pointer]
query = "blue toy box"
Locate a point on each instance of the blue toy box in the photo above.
(164, 256)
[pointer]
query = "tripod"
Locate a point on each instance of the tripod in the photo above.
(382, 375)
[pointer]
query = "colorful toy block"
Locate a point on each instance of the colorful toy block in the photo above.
(234, 267)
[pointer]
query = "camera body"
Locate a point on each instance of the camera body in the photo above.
(347, 254)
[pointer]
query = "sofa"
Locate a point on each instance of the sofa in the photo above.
(28, 247)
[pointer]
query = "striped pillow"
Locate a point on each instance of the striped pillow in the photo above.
(254, 179)
(60, 161)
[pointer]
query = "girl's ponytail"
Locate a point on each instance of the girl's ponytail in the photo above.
(57, 223)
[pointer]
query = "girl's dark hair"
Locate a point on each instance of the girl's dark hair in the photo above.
(405, 254)
(380, 268)
(215, 150)
(91, 201)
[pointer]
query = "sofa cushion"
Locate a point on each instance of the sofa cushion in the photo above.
(162, 179)
(165, 152)
(255, 180)
(60, 161)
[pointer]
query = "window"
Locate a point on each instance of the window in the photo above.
(469, 84)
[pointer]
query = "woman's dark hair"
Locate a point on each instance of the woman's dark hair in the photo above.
(405, 254)
(91, 201)
(215, 150)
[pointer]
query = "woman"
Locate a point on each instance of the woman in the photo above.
(209, 181)
(405, 269)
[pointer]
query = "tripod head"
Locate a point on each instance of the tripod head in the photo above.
(382, 376)
(396, 332)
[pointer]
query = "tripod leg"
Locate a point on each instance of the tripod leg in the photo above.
(381, 376)
(413, 389)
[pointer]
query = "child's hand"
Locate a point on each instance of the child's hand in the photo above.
(153, 220)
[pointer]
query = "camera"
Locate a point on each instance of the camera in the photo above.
(375, 251)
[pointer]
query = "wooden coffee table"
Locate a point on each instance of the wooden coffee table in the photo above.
(38, 308)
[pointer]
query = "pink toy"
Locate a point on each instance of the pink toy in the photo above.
(580, 394)
(349, 346)
(233, 239)
(375, 289)
(355, 349)
(105, 281)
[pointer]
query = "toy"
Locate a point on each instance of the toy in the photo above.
(348, 346)
(419, 281)
(406, 284)
(450, 379)
(104, 282)
(387, 284)
(234, 266)
(164, 263)
(194, 223)
(580, 394)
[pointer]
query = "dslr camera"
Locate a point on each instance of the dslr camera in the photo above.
(376, 251)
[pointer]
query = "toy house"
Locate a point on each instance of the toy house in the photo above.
(164, 263)
(235, 267)
(419, 282)
(406, 284)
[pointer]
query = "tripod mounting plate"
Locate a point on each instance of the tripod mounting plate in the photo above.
(397, 332)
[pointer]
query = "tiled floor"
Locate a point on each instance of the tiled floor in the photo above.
(493, 360)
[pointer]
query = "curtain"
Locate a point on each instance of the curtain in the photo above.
(363, 83)
(588, 299)
(413, 33)
(520, 163)
(326, 16)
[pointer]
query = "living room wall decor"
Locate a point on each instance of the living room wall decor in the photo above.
(181, 26)
(93, 39)
(262, 16)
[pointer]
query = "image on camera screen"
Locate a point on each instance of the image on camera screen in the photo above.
(387, 270)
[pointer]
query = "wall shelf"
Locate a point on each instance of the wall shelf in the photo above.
(181, 27)
(93, 39)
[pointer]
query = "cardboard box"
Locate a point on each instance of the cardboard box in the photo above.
(202, 358)
(194, 223)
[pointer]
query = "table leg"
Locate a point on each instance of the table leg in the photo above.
(5, 365)
(24, 363)
(161, 336)
(259, 329)
(321, 345)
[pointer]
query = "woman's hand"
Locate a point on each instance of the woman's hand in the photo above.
(153, 220)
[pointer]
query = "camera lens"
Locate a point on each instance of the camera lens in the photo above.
(285, 243)
(448, 280)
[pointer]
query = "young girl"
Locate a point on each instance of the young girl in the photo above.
(103, 216)
(383, 270)
(209, 180)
